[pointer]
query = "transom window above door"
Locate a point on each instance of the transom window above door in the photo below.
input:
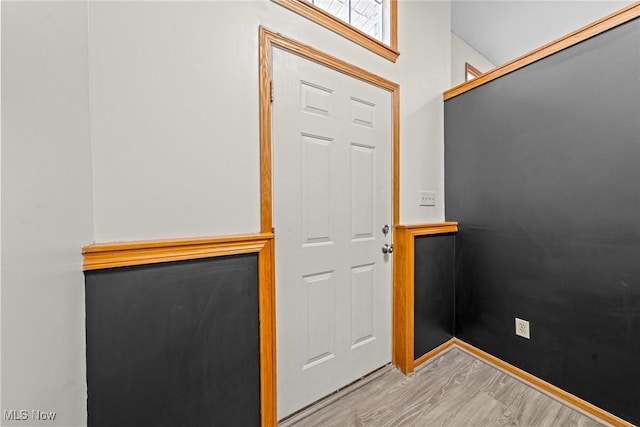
(365, 15)
(370, 23)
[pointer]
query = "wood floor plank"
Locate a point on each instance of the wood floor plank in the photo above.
(454, 389)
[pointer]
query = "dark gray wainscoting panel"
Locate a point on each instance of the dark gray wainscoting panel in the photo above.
(174, 344)
(543, 175)
(434, 291)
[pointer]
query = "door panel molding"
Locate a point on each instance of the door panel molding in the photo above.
(332, 196)
(267, 41)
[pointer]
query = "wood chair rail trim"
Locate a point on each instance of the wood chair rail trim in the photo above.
(608, 22)
(110, 255)
(403, 288)
(433, 228)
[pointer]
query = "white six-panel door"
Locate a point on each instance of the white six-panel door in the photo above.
(332, 139)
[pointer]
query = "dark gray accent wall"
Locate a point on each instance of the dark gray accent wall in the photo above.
(542, 170)
(433, 292)
(174, 344)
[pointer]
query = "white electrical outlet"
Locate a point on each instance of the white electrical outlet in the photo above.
(427, 198)
(522, 328)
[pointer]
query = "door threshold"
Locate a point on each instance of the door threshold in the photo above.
(319, 404)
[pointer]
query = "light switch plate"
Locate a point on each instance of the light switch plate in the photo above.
(427, 198)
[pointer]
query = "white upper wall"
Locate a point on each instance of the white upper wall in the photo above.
(139, 120)
(174, 89)
(504, 30)
(461, 53)
(46, 209)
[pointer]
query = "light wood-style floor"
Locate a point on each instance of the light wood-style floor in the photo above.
(454, 389)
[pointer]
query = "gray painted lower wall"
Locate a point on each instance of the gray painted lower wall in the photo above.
(543, 175)
(434, 287)
(174, 344)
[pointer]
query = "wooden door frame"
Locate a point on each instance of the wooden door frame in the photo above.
(267, 41)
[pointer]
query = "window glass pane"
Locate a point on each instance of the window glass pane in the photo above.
(338, 8)
(369, 23)
(365, 15)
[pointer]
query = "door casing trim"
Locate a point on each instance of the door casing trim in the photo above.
(267, 41)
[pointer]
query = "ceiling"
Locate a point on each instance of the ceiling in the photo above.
(504, 30)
